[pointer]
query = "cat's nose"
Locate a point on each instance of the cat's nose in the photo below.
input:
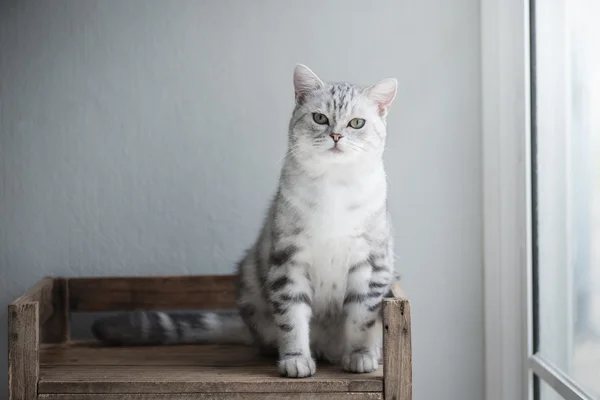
(336, 137)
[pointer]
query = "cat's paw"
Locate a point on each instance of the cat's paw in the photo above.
(360, 362)
(297, 367)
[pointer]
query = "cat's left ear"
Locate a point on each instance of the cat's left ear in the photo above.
(305, 81)
(383, 93)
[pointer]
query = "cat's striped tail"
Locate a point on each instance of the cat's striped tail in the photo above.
(165, 328)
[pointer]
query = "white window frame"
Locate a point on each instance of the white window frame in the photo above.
(509, 359)
(506, 197)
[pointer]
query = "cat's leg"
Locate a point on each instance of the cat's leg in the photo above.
(290, 295)
(367, 284)
(253, 305)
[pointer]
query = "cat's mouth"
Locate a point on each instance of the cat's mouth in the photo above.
(335, 149)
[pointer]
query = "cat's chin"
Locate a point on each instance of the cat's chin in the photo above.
(337, 156)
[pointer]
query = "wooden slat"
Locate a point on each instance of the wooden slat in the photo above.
(397, 350)
(23, 323)
(42, 292)
(56, 329)
(94, 354)
(86, 368)
(218, 396)
(176, 379)
(158, 293)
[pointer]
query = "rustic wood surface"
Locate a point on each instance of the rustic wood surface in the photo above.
(158, 293)
(56, 329)
(218, 396)
(23, 323)
(397, 353)
(88, 368)
(42, 292)
(88, 371)
(94, 353)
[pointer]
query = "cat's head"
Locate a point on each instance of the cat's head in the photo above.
(337, 122)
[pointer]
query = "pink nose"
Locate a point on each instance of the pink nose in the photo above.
(336, 137)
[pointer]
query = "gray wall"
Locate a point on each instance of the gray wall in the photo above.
(144, 137)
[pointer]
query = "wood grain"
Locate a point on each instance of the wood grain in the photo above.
(92, 353)
(58, 369)
(185, 379)
(175, 379)
(218, 396)
(157, 293)
(397, 350)
(23, 366)
(42, 292)
(88, 368)
(56, 328)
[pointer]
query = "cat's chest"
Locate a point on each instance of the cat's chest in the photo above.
(330, 261)
(334, 226)
(338, 214)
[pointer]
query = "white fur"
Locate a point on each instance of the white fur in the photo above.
(314, 279)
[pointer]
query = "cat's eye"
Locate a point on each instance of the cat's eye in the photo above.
(356, 123)
(320, 119)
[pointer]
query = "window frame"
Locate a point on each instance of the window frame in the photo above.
(506, 198)
(512, 366)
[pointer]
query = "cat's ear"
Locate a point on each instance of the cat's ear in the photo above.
(305, 81)
(383, 93)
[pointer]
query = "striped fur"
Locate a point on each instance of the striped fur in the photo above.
(311, 286)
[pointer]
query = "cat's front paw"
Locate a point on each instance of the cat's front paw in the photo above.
(297, 367)
(360, 362)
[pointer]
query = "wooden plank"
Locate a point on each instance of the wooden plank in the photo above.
(199, 379)
(158, 293)
(397, 350)
(94, 354)
(23, 367)
(56, 329)
(41, 292)
(218, 396)
(88, 367)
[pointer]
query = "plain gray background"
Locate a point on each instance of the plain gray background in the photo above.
(145, 138)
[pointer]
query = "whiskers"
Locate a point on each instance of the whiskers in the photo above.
(294, 150)
(356, 147)
(318, 142)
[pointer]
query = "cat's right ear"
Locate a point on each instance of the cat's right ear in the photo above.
(305, 81)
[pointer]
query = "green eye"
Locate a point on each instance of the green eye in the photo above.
(320, 119)
(356, 123)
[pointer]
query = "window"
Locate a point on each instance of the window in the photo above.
(566, 195)
(541, 149)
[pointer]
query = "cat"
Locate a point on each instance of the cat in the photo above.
(311, 286)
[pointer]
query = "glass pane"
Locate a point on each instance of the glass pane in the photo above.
(567, 176)
(547, 393)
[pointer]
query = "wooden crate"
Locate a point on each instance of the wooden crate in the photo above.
(44, 363)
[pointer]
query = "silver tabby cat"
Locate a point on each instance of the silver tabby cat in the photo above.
(312, 284)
